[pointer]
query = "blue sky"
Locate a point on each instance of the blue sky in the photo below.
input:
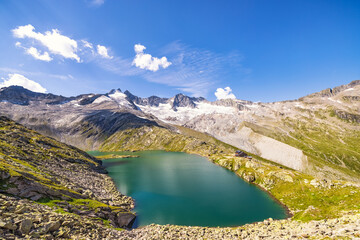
(262, 50)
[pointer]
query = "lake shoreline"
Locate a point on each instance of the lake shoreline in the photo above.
(286, 210)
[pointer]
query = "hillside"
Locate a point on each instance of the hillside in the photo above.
(157, 138)
(50, 189)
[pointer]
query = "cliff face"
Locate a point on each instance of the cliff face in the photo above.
(44, 184)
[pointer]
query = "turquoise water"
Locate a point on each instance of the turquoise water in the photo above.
(184, 189)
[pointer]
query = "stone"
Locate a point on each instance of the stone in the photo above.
(25, 226)
(314, 183)
(53, 226)
(125, 219)
(8, 225)
(20, 209)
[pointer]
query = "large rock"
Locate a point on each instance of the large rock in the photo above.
(25, 226)
(125, 219)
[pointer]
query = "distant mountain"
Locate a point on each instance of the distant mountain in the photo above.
(22, 96)
(290, 133)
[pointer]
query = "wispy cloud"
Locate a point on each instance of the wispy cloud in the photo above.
(41, 74)
(193, 70)
(97, 2)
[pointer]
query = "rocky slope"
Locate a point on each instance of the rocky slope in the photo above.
(51, 189)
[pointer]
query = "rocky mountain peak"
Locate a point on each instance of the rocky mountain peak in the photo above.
(181, 100)
(112, 91)
(133, 98)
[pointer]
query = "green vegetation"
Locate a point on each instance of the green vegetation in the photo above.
(324, 145)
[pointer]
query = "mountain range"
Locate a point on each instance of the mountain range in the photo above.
(316, 134)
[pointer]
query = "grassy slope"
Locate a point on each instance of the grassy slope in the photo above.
(337, 148)
(330, 148)
(157, 138)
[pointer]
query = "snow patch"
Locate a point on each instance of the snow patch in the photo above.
(299, 105)
(120, 98)
(101, 99)
(338, 101)
(165, 113)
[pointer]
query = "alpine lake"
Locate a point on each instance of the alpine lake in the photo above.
(185, 189)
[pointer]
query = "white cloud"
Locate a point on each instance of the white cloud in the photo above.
(148, 62)
(224, 93)
(37, 55)
(55, 42)
(103, 52)
(20, 80)
(139, 48)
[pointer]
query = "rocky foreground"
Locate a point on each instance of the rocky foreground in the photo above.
(28, 220)
(24, 219)
(346, 227)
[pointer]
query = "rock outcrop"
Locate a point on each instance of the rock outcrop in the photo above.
(180, 100)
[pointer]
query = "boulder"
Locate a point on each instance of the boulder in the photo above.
(53, 226)
(125, 219)
(249, 176)
(25, 226)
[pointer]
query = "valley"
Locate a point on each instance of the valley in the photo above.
(305, 154)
